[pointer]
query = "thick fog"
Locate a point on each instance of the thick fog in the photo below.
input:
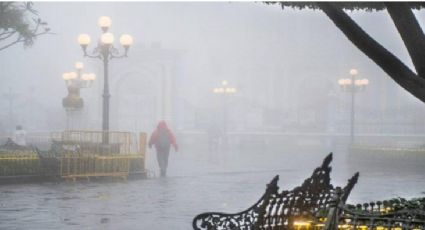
(284, 111)
(283, 64)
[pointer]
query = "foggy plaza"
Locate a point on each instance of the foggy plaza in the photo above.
(249, 90)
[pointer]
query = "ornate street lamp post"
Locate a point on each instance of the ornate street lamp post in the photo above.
(225, 91)
(105, 51)
(74, 82)
(353, 86)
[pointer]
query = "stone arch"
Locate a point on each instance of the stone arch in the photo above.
(145, 78)
(136, 98)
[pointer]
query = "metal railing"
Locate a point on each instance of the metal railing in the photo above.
(86, 156)
(74, 154)
(91, 141)
(86, 166)
(19, 163)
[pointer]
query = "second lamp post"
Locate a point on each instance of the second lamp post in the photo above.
(224, 90)
(353, 86)
(105, 51)
(74, 82)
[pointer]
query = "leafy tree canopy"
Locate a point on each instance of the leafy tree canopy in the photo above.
(367, 6)
(19, 23)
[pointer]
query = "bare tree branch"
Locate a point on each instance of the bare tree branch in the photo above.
(11, 44)
(4, 36)
(22, 39)
(410, 32)
(396, 69)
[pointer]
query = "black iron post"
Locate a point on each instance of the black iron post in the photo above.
(225, 136)
(353, 91)
(106, 95)
(105, 51)
(353, 86)
(225, 92)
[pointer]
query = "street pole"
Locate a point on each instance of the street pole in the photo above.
(352, 109)
(105, 51)
(353, 86)
(224, 91)
(225, 121)
(106, 96)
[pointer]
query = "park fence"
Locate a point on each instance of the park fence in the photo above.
(91, 142)
(17, 163)
(74, 154)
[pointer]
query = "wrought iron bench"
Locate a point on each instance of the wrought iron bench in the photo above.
(316, 204)
(278, 210)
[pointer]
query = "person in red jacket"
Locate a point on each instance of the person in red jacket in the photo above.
(162, 138)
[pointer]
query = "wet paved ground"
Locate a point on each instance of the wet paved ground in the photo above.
(197, 182)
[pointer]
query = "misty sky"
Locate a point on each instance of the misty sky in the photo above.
(246, 43)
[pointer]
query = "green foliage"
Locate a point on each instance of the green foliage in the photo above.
(19, 22)
(367, 6)
(396, 204)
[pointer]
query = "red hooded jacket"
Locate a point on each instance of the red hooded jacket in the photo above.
(154, 137)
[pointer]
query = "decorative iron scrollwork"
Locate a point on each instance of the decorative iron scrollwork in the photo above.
(278, 210)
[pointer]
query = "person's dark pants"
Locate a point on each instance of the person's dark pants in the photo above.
(162, 157)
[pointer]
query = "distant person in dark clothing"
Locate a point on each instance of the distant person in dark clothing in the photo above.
(163, 138)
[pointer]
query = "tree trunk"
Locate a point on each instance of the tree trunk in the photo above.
(398, 71)
(411, 33)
